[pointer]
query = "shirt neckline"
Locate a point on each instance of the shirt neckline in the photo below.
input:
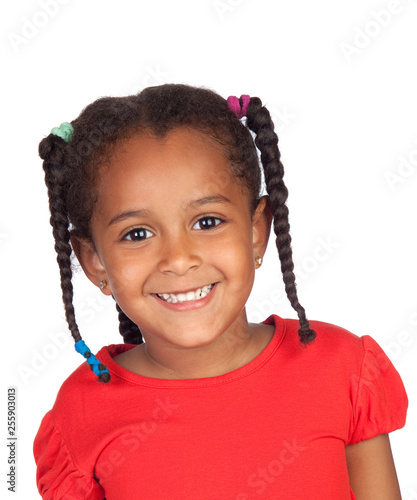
(107, 353)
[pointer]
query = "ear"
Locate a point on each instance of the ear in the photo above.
(90, 262)
(261, 226)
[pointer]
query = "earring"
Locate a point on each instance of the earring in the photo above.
(258, 261)
(103, 284)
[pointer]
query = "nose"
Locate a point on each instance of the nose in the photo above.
(179, 256)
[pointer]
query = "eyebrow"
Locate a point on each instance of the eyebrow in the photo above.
(218, 198)
(129, 214)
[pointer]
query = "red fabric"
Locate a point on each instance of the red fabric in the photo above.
(274, 429)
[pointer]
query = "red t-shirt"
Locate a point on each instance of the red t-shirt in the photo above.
(275, 428)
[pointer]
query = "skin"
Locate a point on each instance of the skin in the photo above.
(148, 238)
(371, 469)
(143, 247)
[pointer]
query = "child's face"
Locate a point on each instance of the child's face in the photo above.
(171, 219)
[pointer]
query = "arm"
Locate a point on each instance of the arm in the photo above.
(371, 469)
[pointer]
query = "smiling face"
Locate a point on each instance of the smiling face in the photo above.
(175, 239)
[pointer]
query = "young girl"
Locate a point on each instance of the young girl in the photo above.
(158, 194)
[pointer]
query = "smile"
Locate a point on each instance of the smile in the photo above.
(198, 294)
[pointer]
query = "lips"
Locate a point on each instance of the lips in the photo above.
(189, 296)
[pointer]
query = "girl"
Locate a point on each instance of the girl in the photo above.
(158, 194)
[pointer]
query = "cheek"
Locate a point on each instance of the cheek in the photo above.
(125, 275)
(235, 257)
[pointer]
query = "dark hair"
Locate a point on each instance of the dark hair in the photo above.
(71, 171)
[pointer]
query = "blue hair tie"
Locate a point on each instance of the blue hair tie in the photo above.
(89, 356)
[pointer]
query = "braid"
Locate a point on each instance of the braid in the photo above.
(74, 153)
(128, 330)
(259, 121)
(51, 151)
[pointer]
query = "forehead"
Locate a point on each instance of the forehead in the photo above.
(184, 161)
(180, 145)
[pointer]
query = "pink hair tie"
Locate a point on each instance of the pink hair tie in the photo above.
(234, 105)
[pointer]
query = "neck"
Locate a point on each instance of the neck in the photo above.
(230, 351)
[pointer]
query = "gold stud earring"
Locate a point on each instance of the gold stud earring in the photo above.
(258, 261)
(103, 284)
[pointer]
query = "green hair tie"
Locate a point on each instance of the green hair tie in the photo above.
(65, 131)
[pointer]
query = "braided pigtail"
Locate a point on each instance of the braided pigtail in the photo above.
(74, 154)
(259, 121)
(128, 329)
(52, 151)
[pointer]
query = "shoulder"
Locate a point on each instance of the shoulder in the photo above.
(332, 341)
(335, 356)
(335, 339)
(344, 363)
(82, 390)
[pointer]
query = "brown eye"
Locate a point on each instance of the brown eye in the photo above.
(207, 223)
(138, 234)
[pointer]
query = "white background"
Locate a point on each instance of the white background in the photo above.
(340, 80)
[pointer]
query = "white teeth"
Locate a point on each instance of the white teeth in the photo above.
(200, 293)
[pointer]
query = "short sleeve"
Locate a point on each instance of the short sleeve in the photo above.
(378, 395)
(56, 475)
